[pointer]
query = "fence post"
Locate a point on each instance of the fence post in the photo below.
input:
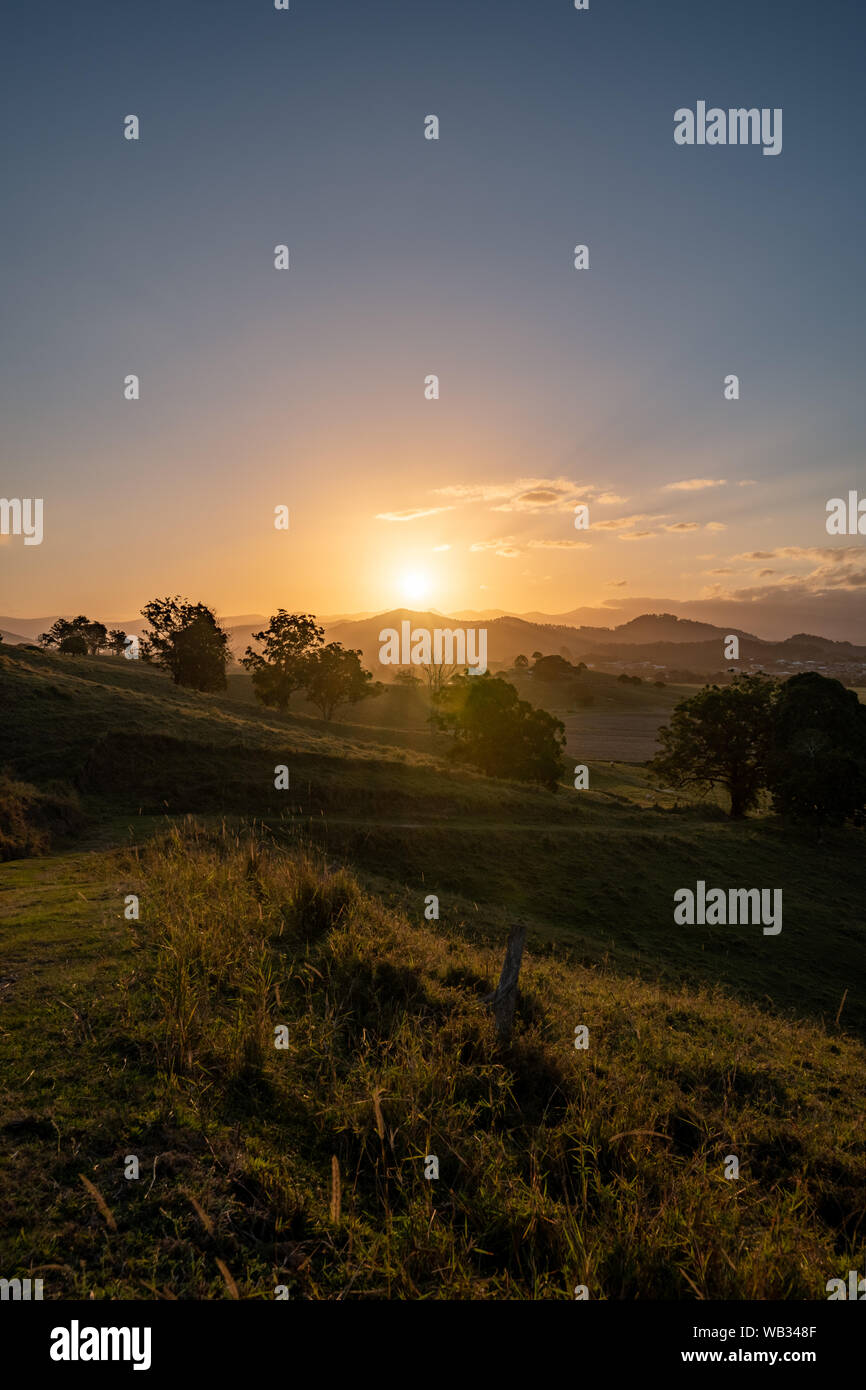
(503, 1000)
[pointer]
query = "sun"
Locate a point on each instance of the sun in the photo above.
(415, 586)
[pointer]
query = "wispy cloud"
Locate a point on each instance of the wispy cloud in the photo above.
(528, 494)
(622, 523)
(694, 484)
(559, 545)
(833, 570)
(504, 546)
(411, 513)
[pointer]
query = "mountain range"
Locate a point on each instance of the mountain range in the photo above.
(661, 640)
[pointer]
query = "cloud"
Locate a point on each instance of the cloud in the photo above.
(504, 547)
(620, 523)
(533, 498)
(441, 547)
(617, 583)
(716, 526)
(747, 482)
(684, 526)
(637, 535)
(559, 545)
(694, 484)
(831, 555)
(527, 494)
(540, 494)
(411, 513)
(474, 492)
(836, 572)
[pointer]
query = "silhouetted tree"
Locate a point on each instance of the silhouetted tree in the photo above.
(817, 767)
(334, 676)
(280, 668)
(117, 641)
(499, 733)
(406, 677)
(438, 674)
(552, 668)
(93, 635)
(186, 640)
(721, 737)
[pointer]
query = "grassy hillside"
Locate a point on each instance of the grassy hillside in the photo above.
(305, 1167)
(154, 1037)
(593, 870)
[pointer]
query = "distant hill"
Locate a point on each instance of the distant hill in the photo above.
(659, 627)
(239, 627)
(652, 639)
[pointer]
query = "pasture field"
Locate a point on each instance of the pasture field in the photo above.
(304, 1167)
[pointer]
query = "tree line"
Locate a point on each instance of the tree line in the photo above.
(186, 640)
(82, 636)
(801, 740)
(492, 729)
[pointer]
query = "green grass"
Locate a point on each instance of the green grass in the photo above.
(155, 1037)
(593, 870)
(558, 1167)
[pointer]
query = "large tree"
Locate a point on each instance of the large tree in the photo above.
(279, 668)
(817, 767)
(80, 636)
(334, 676)
(499, 733)
(186, 640)
(721, 737)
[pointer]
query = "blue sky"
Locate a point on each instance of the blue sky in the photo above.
(411, 257)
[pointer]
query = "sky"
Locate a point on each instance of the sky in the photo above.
(305, 388)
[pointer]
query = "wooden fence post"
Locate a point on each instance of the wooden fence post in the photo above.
(503, 1000)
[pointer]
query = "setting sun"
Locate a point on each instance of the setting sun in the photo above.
(415, 586)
